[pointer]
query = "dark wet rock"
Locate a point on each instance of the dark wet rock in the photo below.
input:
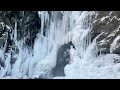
(13, 59)
(2, 41)
(2, 26)
(116, 60)
(30, 27)
(2, 62)
(117, 50)
(102, 13)
(63, 58)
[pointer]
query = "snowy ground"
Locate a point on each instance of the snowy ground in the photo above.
(102, 67)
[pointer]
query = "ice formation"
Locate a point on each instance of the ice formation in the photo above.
(72, 26)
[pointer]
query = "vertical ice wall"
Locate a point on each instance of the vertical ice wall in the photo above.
(56, 29)
(82, 31)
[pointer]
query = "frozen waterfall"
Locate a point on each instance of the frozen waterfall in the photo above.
(56, 29)
(61, 28)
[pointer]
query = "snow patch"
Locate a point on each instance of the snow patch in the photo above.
(114, 44)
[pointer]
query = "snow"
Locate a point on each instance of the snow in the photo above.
(102, 67)
(114, 44)
(8, 27)
(103, 18)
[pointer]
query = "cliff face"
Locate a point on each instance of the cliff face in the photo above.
(28, 24)
(106, 29)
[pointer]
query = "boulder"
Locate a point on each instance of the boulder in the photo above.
(63, 58)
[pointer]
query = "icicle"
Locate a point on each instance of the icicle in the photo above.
(15, 32)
